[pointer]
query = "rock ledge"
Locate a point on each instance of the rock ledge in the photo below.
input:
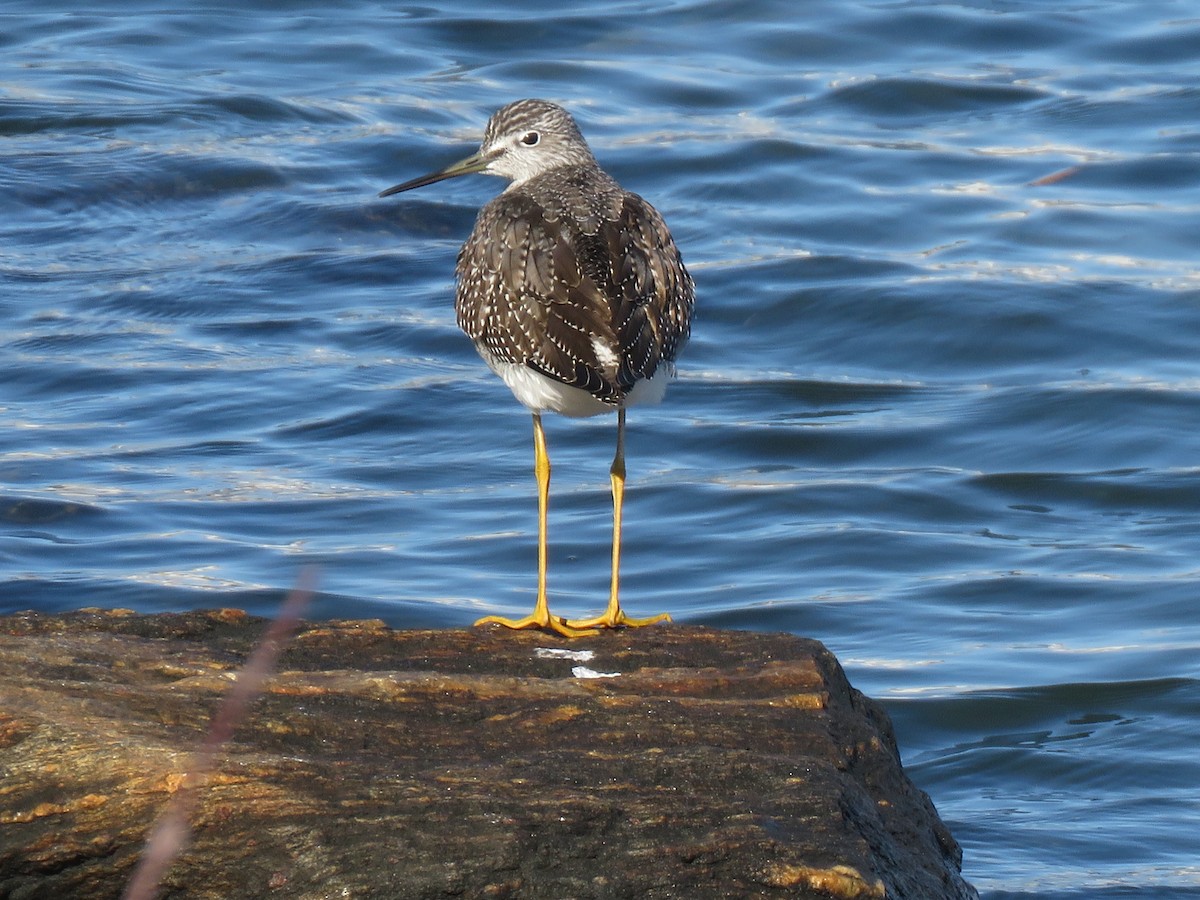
(668, 762)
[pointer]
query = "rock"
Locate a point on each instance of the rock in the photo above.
(660, 763)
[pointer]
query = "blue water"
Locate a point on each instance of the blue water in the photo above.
(941, 409)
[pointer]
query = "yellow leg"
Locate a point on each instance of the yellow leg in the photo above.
(540, 617)
(614, 616)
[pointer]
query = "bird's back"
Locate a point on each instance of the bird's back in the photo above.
(577, 279)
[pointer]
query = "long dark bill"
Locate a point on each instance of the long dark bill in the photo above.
(474, 163)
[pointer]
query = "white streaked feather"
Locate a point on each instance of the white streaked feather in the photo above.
(604, 354)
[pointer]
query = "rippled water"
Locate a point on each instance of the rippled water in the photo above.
(940, 409)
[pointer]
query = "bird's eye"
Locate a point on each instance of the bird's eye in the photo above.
(531, 138)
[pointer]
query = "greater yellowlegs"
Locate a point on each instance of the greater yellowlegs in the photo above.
(574, 293)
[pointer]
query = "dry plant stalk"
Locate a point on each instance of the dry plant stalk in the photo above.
(172, 831)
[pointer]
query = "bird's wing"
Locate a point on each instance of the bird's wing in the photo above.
(597, 310)
(656, 294)
(524, 298)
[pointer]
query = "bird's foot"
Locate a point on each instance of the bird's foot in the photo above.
(547, 622)
(616, 618)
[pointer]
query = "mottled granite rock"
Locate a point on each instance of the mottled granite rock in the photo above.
(385, 763)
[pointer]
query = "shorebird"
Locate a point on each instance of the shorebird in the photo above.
(574, 293)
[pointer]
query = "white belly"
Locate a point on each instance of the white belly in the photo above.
(540, 393)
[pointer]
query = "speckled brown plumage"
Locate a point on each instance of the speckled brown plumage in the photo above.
(576, 278)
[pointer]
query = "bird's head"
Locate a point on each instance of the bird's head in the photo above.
(523, 139)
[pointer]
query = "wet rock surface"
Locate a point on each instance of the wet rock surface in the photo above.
(665, 762)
